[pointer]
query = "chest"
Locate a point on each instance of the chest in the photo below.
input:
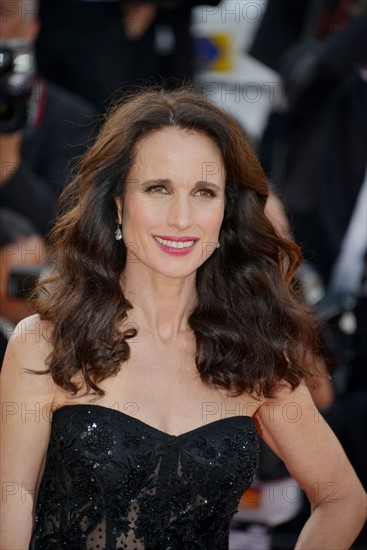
(166, 491)
(160, 385)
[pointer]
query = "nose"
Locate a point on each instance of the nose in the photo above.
(180, 212)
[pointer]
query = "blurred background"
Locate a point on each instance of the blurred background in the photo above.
(294, 75)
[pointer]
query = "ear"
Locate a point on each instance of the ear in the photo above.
(119, 206)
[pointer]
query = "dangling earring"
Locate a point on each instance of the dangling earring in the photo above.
(118, 232)
(218, 245)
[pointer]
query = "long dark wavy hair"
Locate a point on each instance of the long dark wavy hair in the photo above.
(251, 331)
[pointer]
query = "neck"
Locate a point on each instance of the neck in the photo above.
(161, 305)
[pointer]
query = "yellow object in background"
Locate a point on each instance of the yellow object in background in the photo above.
(224, 60)
(215, 52)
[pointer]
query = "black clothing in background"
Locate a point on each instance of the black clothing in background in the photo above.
(83, 47)
(58, 133)
(283, 24)
(316, 154)
(318, 166)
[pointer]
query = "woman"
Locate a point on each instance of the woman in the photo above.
(166, 333)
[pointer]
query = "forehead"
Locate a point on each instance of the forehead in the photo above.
(180, 152)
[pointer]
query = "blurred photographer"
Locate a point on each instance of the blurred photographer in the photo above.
(22, 259)
(42, 126)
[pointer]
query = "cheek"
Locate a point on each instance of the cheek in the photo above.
(140, 216)
(212, 219)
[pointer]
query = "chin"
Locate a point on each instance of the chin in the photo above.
(177, 273)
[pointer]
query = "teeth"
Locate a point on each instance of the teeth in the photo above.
(175, 244)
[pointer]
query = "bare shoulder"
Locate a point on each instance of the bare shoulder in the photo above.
(289, 419)
(295, 430)
(288, 409)
(26, 358)
(286, 396)
(27, 398)
(31, 336)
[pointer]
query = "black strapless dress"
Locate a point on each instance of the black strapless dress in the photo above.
(113, 482)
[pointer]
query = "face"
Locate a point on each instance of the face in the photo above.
(174, 203)
(18, 20)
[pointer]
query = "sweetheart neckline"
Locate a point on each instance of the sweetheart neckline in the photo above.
(148, 426)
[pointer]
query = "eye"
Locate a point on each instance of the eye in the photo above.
(206, 193)
(157, 190)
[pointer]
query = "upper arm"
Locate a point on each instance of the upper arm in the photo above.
(291, 425)
(26, 400)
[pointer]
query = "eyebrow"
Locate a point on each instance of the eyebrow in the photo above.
(163, 181)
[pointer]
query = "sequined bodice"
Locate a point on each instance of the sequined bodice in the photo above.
(113, 482)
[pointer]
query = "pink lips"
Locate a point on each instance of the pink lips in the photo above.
(176, 251)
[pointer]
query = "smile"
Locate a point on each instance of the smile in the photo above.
(179, 247)
(175, 244)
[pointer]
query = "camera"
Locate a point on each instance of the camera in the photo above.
(17, 73)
